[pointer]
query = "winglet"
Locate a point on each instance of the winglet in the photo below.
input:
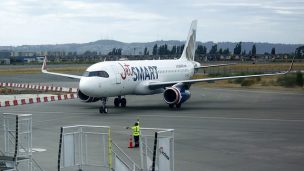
(44, 66)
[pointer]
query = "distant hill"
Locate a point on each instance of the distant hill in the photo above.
(105, 46)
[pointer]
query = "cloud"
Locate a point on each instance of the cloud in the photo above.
(61, 21)
(73, 9)
(274, 7)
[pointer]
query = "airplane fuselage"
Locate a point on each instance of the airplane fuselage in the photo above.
(118, 78)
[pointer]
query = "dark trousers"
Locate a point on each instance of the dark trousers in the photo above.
(136, 140)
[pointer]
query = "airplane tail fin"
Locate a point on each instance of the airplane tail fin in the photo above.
(189, 49)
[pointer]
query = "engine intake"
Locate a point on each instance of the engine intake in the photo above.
(176, 95)
(86, 98)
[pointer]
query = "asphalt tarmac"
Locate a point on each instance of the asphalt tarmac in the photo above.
(216, 130)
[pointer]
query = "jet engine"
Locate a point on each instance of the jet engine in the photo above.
(176, 95)
(86, 98)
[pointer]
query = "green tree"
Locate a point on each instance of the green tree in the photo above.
(300, 52)
(253, 50)
(154, 52)
(115, 51)
(213, 49)
(173, 50)
(146, 52)
(226, 52)
(181, 48)
(244, 52)
(238, 49)
(204, 50)
(273, 52)
(163, 50)
(201, 50)
(119, 51)
(220, 51)
(166, 51)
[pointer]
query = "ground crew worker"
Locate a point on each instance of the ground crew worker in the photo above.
(136, 133)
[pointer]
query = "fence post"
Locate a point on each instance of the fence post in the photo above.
(154, 152)
(60, 145)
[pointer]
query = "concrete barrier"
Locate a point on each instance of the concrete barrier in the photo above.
(15, 102)
(7, 103)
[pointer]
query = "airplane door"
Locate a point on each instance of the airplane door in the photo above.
(117, 74)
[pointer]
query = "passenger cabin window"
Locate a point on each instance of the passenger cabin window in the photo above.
(103, 74)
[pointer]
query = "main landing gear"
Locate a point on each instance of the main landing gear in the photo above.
(120, 101)
(103, 108)
(171, 106)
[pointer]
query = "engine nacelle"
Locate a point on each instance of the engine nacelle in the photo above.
(86, 98)
(176, 95)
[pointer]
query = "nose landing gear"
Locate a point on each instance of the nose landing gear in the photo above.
(117, 102)
(103, 108)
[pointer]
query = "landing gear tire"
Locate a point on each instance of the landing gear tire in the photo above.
(123, 102)
(178, 105)
(103, 110)
(116, 102)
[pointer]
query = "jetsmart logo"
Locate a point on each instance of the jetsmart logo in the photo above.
(139, 73)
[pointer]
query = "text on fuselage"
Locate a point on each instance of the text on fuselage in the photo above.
(139, 73)
(181, 66)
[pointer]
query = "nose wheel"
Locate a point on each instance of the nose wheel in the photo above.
(103, 108)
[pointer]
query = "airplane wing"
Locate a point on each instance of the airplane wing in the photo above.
(217, 65)
(44, 70)
(156, 85)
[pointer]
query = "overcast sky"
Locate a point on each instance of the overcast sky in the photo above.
(79, 21)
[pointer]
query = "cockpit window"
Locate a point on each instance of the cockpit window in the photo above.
(96, 74)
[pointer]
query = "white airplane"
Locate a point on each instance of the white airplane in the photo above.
(144, 77)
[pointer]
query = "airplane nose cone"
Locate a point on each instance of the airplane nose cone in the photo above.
(88, 86)
(83, 85)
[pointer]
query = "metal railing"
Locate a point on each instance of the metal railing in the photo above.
(18, 141)
(77, 143)
(123, 157)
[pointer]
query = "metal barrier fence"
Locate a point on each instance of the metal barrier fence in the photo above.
(18, 143)
(85, 147)
(157, 149)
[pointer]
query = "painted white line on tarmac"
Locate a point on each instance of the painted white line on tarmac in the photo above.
(256, 91)
(29, 112)
(224, 118)
(56, 119)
